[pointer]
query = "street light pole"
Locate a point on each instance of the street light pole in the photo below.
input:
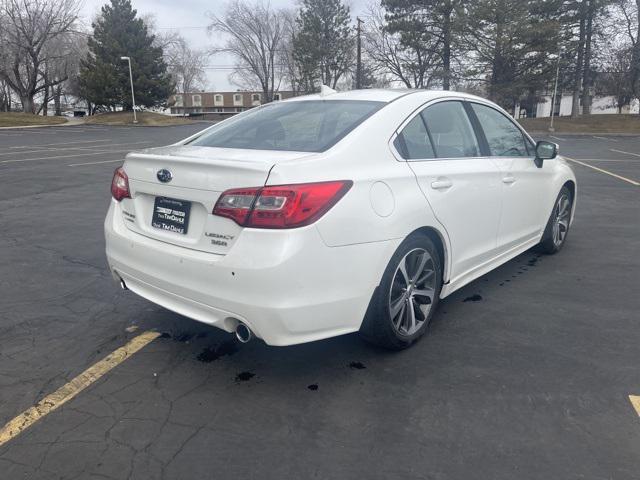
(133, 98)
(555, 93)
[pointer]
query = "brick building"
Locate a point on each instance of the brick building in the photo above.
(224, 103)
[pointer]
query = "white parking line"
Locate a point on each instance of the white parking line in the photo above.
(61, 143)
(601, 170)
(557, 138)
(605, 138)
(103, 152)
(95, 163)
(91, 147)
(627, 153)
(629, 161)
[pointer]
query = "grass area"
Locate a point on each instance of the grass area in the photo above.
(15, 119)
(604, 123)
(144, 118)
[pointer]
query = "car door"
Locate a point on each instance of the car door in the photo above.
(461, 186)
(524, 184)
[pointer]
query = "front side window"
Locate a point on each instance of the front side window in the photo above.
(504, 138)
(413, 142)
(302, 126)
(451, 130)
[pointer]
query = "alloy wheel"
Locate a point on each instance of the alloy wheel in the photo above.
(561, 217)
(412, 291)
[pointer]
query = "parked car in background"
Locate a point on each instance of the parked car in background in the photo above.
(335, 213)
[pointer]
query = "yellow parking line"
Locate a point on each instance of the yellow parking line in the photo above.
(635, 401)
(74, 387)
(602, 170)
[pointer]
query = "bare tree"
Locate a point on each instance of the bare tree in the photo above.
(256, 34)
(415, 65)
(186, 65)
(30, 27)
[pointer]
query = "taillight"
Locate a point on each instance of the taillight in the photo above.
(282, 206)
(120, 185)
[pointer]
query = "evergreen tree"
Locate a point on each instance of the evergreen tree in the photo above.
(429, 28)
(104, 77)
(512, 43)
(323, 46)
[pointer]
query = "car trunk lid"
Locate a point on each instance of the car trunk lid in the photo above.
(174, 189)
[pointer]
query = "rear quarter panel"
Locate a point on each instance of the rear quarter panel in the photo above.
(385, 202)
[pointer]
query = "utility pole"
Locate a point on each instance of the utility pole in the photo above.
(133, 98)
(359, 57)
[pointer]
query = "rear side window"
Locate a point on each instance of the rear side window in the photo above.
(451, 130)
(504, 138)
(413, 142)
(302, 126)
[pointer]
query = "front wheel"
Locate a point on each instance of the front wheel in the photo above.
(406, 298)
(555, 233)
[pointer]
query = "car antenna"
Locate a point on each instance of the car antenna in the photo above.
(324, 91)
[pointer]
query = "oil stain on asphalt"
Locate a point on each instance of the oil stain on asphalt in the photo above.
(245, 376)
(313, 387)
(473, 298)
(214, 352)
(357, 366)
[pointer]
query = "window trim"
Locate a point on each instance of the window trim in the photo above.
(418, 111)
(528, 141)
(433, 101)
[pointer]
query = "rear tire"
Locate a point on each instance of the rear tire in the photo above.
(404, 302)
(557, 229)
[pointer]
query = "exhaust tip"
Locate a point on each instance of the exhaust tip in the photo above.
(243, 333)
(123, 285)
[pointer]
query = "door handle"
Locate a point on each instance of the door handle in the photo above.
(508, 179)
(441, 184)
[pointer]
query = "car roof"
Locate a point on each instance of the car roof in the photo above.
(383, 95)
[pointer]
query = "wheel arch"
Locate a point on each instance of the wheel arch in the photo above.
(438, 240)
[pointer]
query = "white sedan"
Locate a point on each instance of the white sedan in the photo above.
(335, 213)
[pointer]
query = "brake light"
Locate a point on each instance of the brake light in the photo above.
(120, 185)
(282, 206)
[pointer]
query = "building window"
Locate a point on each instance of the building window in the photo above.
(196, 100)
(218, 100)
(178, 101)
(255, 98)
(238, 109)
(277, 96)
(237, 99)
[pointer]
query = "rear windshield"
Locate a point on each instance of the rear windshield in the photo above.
(300, 126)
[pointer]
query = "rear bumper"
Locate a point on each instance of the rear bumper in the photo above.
(287, 285)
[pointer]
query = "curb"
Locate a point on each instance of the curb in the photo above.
(65, 124)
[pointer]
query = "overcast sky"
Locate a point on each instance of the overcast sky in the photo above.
(189, 18)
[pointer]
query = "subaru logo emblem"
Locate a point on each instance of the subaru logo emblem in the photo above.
(164, 175)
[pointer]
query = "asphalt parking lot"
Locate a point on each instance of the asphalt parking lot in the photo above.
(526, 373)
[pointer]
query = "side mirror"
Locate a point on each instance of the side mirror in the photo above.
(545, 151)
